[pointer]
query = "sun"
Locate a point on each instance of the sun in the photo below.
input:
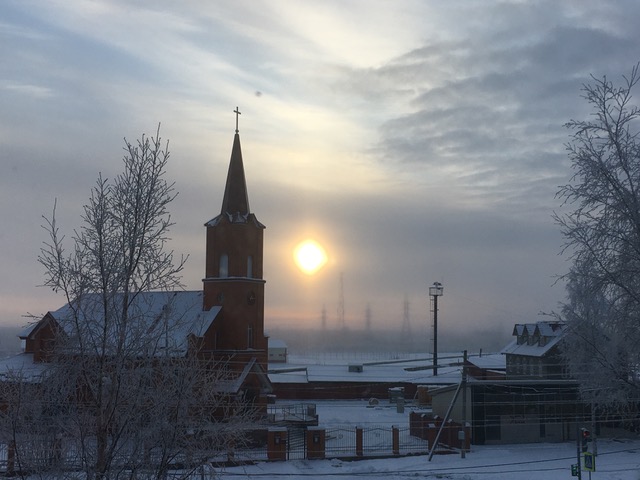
(309, 256)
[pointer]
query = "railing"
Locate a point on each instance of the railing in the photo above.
(303, 413)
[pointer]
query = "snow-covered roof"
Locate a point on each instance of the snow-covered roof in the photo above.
(550, 329)
(518, 329)
(492, 361)
(236, 217)
(21, 367)
(275, 343)
(234, 384)
(159, 321)
(549, 335)
(418, 372)
(28, 330)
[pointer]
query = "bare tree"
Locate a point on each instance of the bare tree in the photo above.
(125, 386)
(602, 238)
(30, 441)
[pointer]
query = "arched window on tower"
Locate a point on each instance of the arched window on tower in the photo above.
(224, 266)
(250, 266)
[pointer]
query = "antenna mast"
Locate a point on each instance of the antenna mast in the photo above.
(406, 323)
(341, 322)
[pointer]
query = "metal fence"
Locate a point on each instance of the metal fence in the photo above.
(340, 442)
(410, 443)
(377, 440)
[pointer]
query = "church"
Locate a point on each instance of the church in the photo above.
(223, 323)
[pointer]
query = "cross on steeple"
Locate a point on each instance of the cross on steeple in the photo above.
(237, 112)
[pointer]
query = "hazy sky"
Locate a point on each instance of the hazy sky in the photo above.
(417, 141)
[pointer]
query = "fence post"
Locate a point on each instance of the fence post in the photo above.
(467, 437)
(431, 435)
(277, 444)
(315, 443)
(424, 426)
(359, 442)
(395, 433)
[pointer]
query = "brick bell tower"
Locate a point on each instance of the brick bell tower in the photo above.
(233, 274)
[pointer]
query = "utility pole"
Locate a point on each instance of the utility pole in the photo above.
(341, 322)
(323, 318)
(578, 448)
(406, 323)
(435, 291)
(367, 318)
(594, 442)
(464, 406)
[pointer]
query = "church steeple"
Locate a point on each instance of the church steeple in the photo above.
(235, 200)
(234, 238)
(233, 270)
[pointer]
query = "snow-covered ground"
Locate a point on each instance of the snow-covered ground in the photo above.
(617, 460)
(359, 413)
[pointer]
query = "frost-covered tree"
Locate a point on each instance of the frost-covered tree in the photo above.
(122, 395)
(601, 227)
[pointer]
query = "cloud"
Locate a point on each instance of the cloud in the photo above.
(484, 112)
(34, 91)
(417, 141)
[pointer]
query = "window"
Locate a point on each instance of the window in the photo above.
(250, 266)
(520, 364)
(224, 266)
(250, 336)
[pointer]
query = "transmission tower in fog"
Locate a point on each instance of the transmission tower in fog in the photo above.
(323, 317)
(341, 323)
(406, 323)
(367, 318)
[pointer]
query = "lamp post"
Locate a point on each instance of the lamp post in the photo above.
(435, 291)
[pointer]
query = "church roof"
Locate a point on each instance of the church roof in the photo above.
(235, 200)
(160, 320)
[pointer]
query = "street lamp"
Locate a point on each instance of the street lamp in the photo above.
(435, 291)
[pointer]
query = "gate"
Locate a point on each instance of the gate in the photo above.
(377, 440)
(296, 443)
(340, 442)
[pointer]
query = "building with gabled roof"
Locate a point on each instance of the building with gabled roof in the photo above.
(535, 351)
(223, 322)
(166, 320)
